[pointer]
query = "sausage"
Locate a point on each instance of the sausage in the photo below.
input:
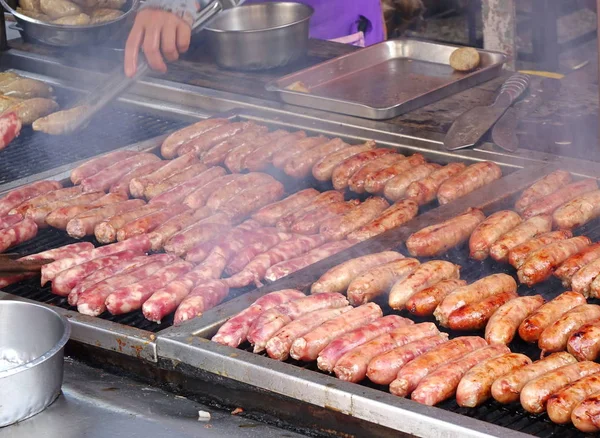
(252, 249)
(235, 159)
(85, 223)
(18, 233)
(544, 187)
(26, 88)
(323, 169)
(396, 187)
(16, 197)
(352, 366)
(29, 110)
(10, 220)
(315, 255)
(560, 405)
(437, 239)
(573, 264)
(384, 368)
(138, 185)
(410, 375)
(203, 297)
(395, 216)
(106, 230)
(533, 326)
(199, 232)
(218, 153)
(548, 204)
(172, 143)
(585, 415)
(541, 263)
(472, 178)
(248, 201)
(308, 346)
(262, 157)
(536, 393)
(425, 190)
(39, 214)
(60, 217)
(270, 214)
(520, 253)
(582, 280)
(423, 277)
(555, 337)
(341, 345)
(338, 228)
(278, 347)
(148, 223)
(281, 157)
(325, 198)
(198, 197)
(357, 182)
(475, 316)
(177, 223)
(201, 144)
(424, 302)
(300, 166)
(584, 343)
(231, 243)
(376, 181)
(104, 179)
(45, 199)
(376, 281)
(274, 319)
(476, 385)
(489, 231)
(504, 323)
(529, 228)
(578, 211)
(343, 171)
(338, 279)
(222, 196)
(121, 187)
(152, 190)
(311, 221)
(95, 165)
(473, 293)
(442, 383)
(10, 127)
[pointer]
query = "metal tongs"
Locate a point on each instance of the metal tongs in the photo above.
(10, 264)
(118, 83)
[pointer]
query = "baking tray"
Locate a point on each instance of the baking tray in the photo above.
(385, 80)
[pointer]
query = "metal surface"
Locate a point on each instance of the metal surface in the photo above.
(385, 80)
(261, 36)
(66, 36)
(32, 342)
(471, 126)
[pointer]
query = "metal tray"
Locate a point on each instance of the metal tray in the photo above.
(385, 80)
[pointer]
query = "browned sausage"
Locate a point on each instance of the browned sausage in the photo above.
(549, 203)
(560, 405)
(489, 231)
(323, 169)
(396, 187)
(475, 316)
(584, 344)
(398, 214)
(338, 228)
(545, 186)
(425, 190)
(473, 177)
(504, 323)
(520, 253)
(578, 211)
(424, 303)
(573, 264)
(376, 182)
(343, 171)
(356, 183)
(555, 337)
(518, 235)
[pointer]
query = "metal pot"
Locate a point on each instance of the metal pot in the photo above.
(260, 36)
(32, 342)
(67, 36)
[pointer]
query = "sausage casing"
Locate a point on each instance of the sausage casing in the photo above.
(548, 204)
(489, 231)
(338, 228)
(323, 169)
(424, 302)
(504, 323)
(473, 177)
(475, 316)
(395, 188)
(343, 171)
(544, 187)
(520, 253)
(560, 405)
(555, 337)
(584, 344)
(425, 190)
(396, 215)
(573, 264)
(578, 211)
(500, 250)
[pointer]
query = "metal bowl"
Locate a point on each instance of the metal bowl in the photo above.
(67, 36)
(32, 342)
(260, 36)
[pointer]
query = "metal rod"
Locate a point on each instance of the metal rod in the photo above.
(3, 38)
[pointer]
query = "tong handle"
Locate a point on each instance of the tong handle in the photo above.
(512, 89)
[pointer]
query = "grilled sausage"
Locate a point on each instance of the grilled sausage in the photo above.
(489, 231)
(234, 161)
(121, 187)
(357, 182)
(149, 223)
(533, 326)
(270, 214)
(548, 204)
(242, 205)
(341, 345)
(578, 211)
(45, 199)
(106, 231)
(423, 277)
(544, 187)
(84, 224)
(529, 228)
(138, 185)
(16, 197)
(437, 239)
(323, 169)
(311, 222)
(221, 196)
(218, 153)
(411, 375)
(424, 191)
(201, 144)
(95, 165)
(325, 198)
(424, 302)
(179, 192)
(281, 157)
(536, 393)
(472, 178)
(376, 281)
(262, 157)
(300, 166)
(583, 279)
(198, 197)
(475, 316)
(376, 182)
(555, 337)
(476, 385)
(560, 405)
(504, 323)
(195, 234)
(203, 297)
(343, 171)
(338, 228)
(154, 189)
(175, 224)
(520, 253)
(60, 217)
(585, 415)
(573, 264)
(175, 140)
(255, 243)
(39, 214)
(475, 292)
(384, 368)
(393, 217)
(338, 279)
(584, 343)
(395, 188)
(104, 179)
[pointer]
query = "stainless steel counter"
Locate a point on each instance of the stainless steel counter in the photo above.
(97, 404)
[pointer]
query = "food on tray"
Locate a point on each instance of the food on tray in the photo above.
(25, 88)
(549, 203)
(59, 8)
(544, 187)
(472, 178)
(464, 59)
(104, 15)
(76, 13)
(489, 231)
(298, 86)
(73, 20)
(61, 122)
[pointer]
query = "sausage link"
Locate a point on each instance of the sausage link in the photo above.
(45, 199)
(555, 337)
(311, 221)
(573, 264)
(578, 211)
(138, 185)
(84, 224)
(282, 156)
(154, 189)
(216, 155)
(121, 187)
(103, 180)
(357, 182)
(424, 191)
(197, 198)
(261, 158)
(342, 173)
(586, 416)
(106, 231)
(204, 296)
(257, 243)
(581, 281)
(270, 214)
(529, 228)
(177, 223)
(376, 181)
(475, 316)
(520, 253)
(16, 197)
(548, 204)
(338, 228)
(195, 234)
(504, 323)
(221, 196)
(393, 217)
(560, 405)
(60, 217)
(242, 205)
(95, 165)
(424, 302)
(18, 233)
(149, 223)
(472, 178)
(234, 161)
(323, 169)
(395, 188)
(584, 344)
(489, 231)
(202, 144)
(544, 187)
(39, 214)
(325, 198)
(174, 141)
(300, 166)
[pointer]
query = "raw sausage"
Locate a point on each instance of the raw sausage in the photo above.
(555, 337)
(489, 231)
(221, 197)
(504, 323)
(198, 197)
(356, 183)
(148, 223)
(270, 214)
(46, 198)
(520, 253)
(248, 201)
(39, 214)
(520, 234)
(195, 234)
(122, 186)
(544, 187)
(393, 217)
(174, 141)
(104, 179)
(323, 169)
(338, 228)
(84, 224)
(472, 178)
(16, 197)
(177, 223)
(343, 171)
(152, 190)
(424, 302)
(60, 217)
(203, 297)
(17, 233)
(106, 231)
(10, 127)
(138, 185)
(425, 190)
(548, 204)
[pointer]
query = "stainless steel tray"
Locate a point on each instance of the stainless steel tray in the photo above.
(385, 80)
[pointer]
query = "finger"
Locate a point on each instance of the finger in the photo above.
(168, 43)
(132, 49)
(152, 49)
(184, 35)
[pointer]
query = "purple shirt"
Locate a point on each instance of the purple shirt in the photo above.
(338, 18)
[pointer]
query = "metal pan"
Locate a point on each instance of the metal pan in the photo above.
(385, 80)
